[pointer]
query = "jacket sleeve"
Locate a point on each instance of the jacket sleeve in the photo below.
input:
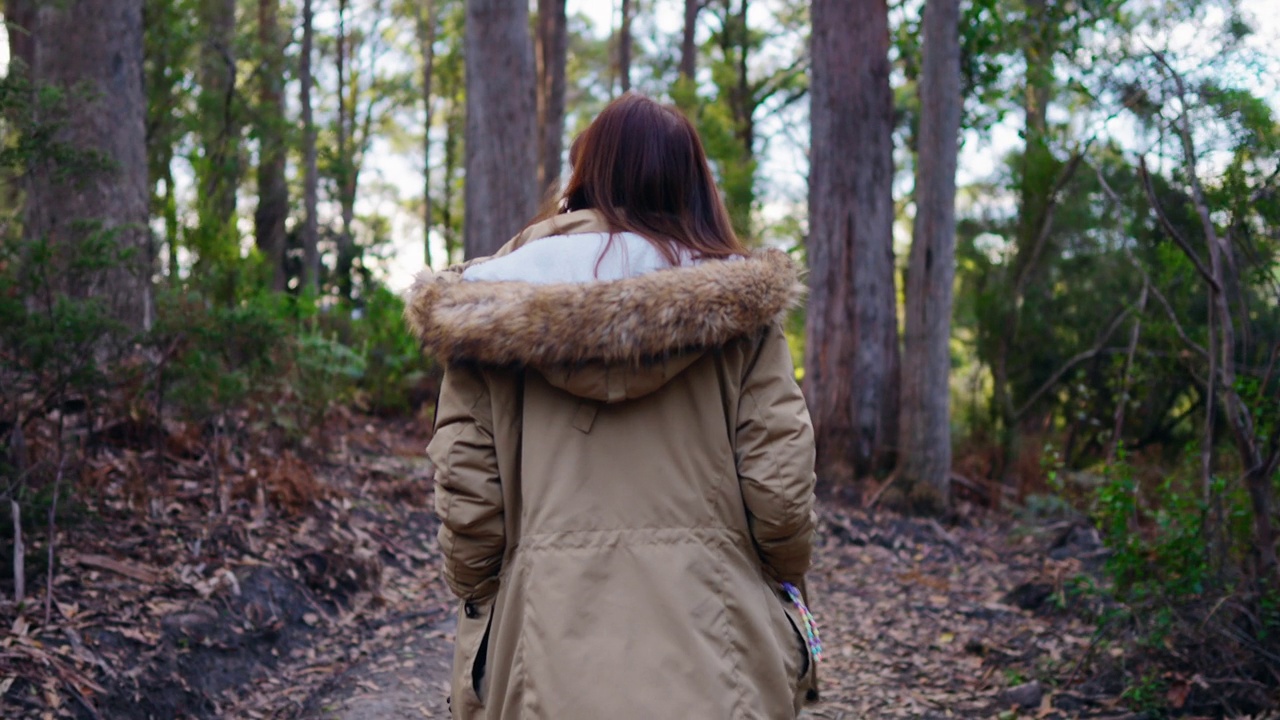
(468, 490)
(775, 458)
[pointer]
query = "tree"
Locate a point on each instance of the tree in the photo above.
(1234, 312)
(624, 47)
(736, 150)
(168, 43)
(1038, 183)
(501, 155)
(925, 456)
(553, 45)
(370, 90)
(1046, 41)
(689, 41)
(343, 165)
(451, 90)
(310, 182)
(89, 53)
(273, 188)
(426, 25)
(851, 361)
(219, 168)
(746, 81)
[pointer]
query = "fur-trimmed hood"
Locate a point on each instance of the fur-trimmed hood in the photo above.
(654, 322)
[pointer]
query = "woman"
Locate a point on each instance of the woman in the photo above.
(624, 463)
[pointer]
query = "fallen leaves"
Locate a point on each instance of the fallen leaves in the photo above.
(165, 608)
(918, 620)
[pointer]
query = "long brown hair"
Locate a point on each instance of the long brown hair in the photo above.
(641, 165)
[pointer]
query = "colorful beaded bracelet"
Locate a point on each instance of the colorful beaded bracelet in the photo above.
(810, 625)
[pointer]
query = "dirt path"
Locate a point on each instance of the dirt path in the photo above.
(405, 683)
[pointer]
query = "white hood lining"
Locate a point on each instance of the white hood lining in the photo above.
(577, 258)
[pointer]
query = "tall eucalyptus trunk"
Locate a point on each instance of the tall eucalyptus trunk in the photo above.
(426, 43)
(851, 365)
(92, 52)
(220, 169)
(273, 189)
(501, 142)
(688, 39)
(552, 46)
(625, 47)
(925, 457)
(310, 182)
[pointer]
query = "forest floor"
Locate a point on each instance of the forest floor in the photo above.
(335, 609)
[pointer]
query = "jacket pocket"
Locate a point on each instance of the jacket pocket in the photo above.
(796, 621)
(470, 658)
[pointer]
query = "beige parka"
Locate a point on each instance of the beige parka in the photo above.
(624, 475)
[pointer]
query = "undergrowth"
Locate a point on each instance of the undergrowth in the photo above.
(1200, 631)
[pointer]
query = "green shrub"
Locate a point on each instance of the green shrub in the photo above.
(219, 357)
(395, 374)
(1171, 538)
(324, 371)
(1180, 599)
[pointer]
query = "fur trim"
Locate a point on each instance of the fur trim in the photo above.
(621, 321)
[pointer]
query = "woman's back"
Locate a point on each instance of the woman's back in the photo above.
(606, 503)
(624, 467)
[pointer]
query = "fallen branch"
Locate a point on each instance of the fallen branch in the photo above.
(53, 511)
(80, 698)
(139, 572)
(19, 556)
(875, 497)
(985, 491)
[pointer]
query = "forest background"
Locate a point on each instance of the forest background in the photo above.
(1041, 238)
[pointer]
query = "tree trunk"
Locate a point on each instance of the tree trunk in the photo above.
(1259, 469)
(165, 63)
(624, 48)
(1259, 454)
(739, 177)
(926, 367)
(220, 133)
(171, 226)
(1037, 182)
(851, 365)
(311, 228)
(1122, 401)
(553, 48)
(455, 124)
(501, 143)
(688, 42)
(92, 50)
(273, 189)
(346, 180)
(426, 42)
